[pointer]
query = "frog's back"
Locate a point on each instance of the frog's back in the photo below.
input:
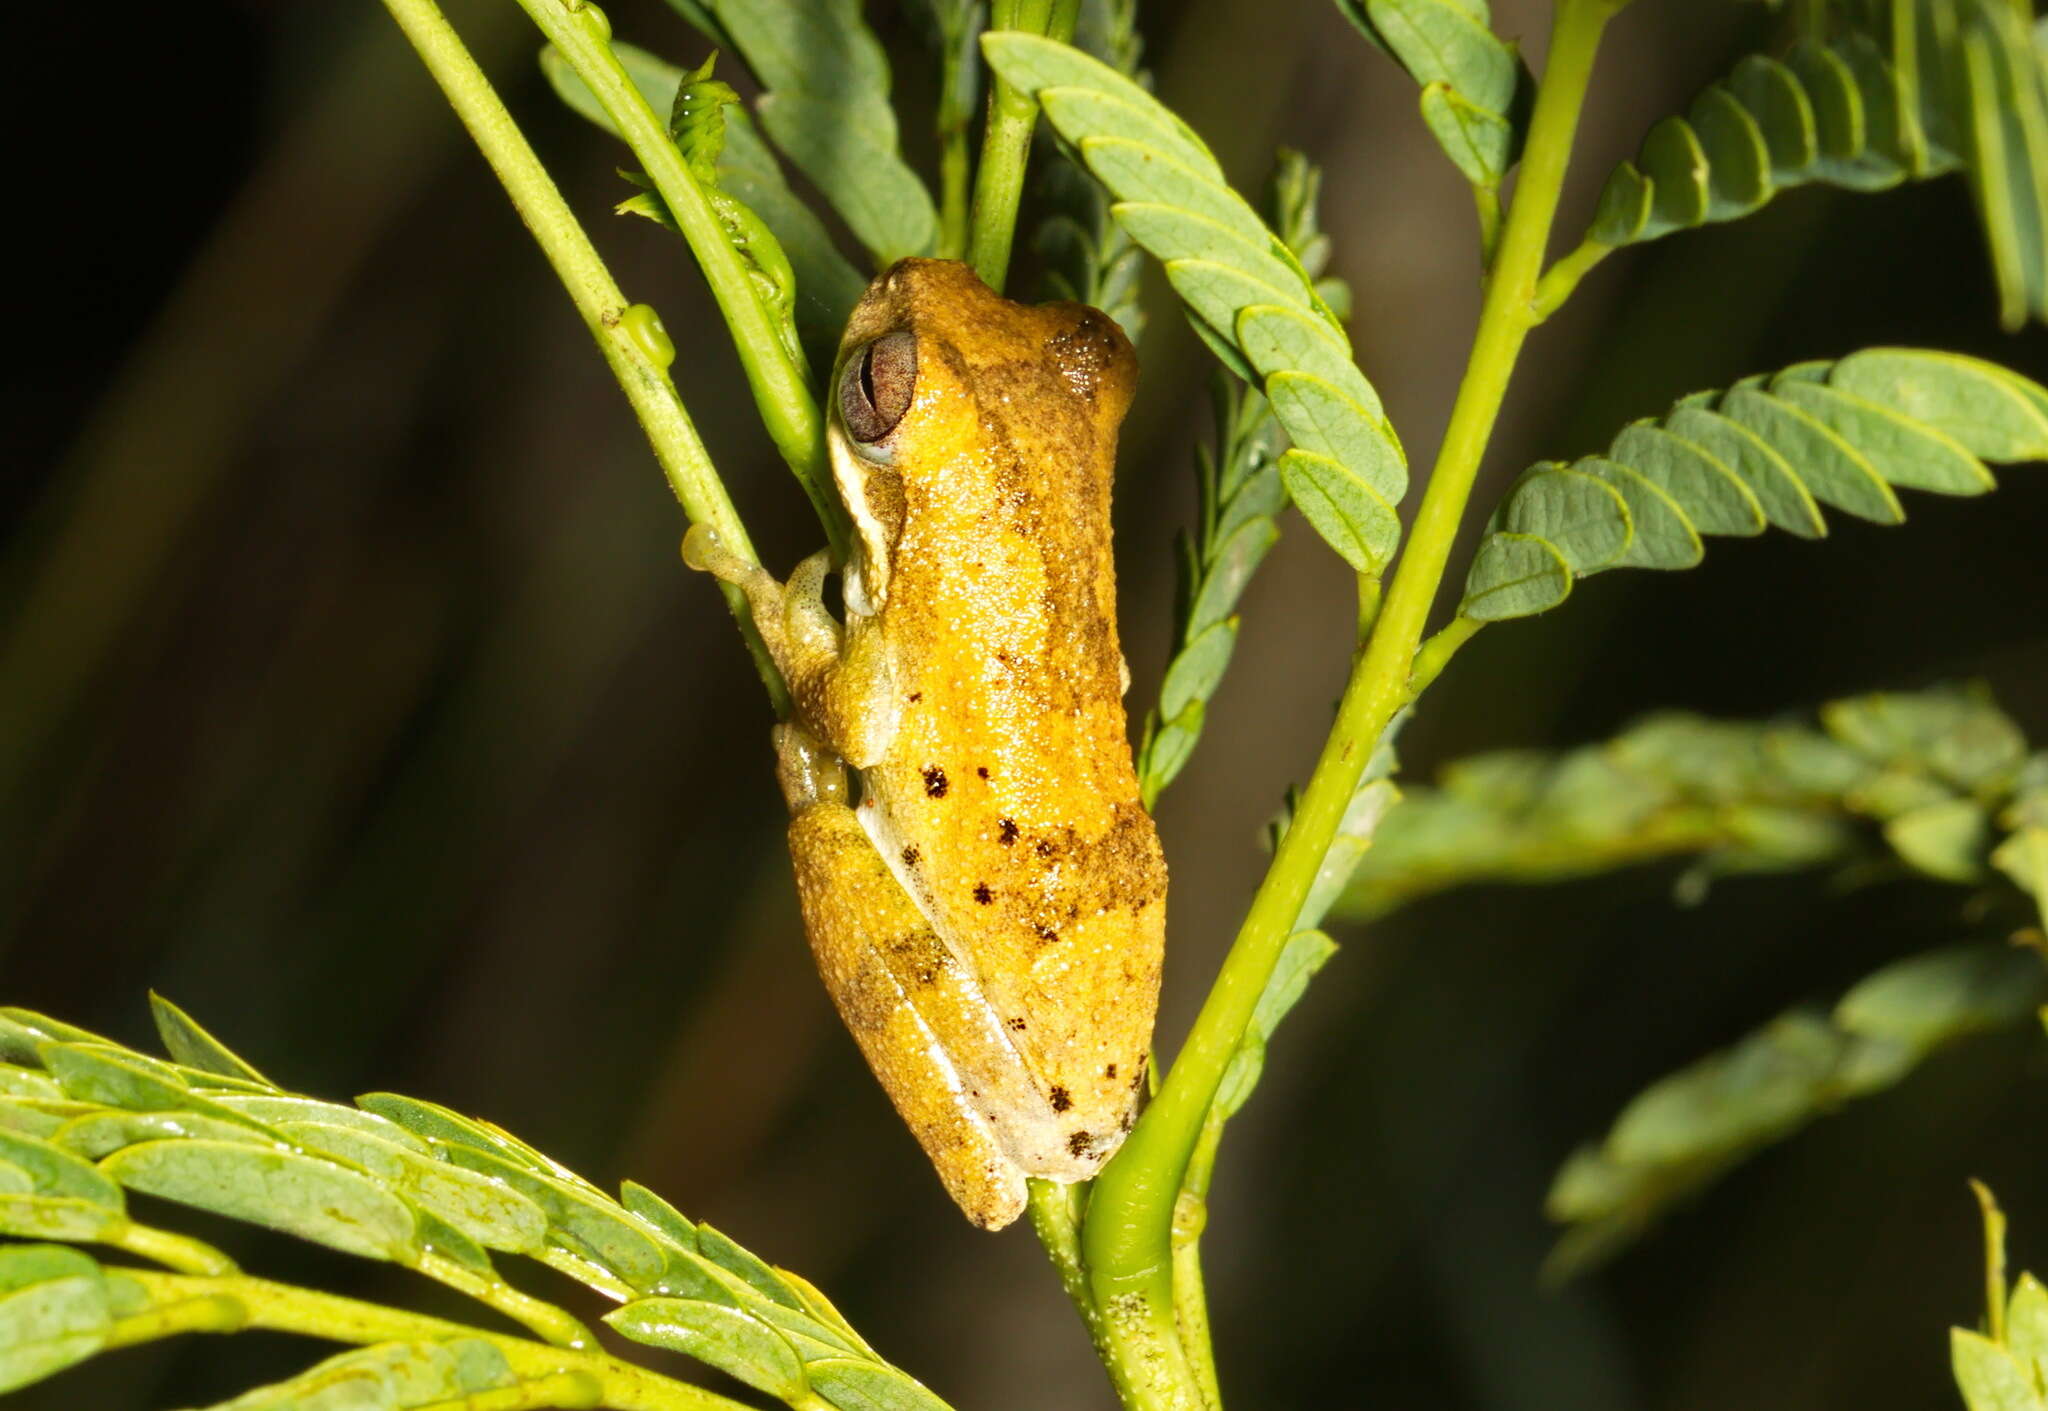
(1008, 802)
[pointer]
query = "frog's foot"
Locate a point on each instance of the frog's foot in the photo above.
(809, 773)
(800, 633)
(704, 549)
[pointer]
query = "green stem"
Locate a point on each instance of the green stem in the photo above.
(183, 1304)
(780, 384)
(1190, 1291)
(536, 1315)
(1486, 200)
(1127, 1241)
(1056, 1220)
(172, 1250)
(1006, 143)
(958, 67)
(1436, 653)
(1564, 276)
(635, 359)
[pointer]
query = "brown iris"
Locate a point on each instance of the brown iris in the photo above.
(877, 386)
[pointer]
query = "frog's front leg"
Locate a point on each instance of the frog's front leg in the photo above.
(920, 1021)
(839, 677)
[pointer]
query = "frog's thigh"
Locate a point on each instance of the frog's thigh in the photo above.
(861, 926)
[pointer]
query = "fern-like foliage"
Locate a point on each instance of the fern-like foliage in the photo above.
(83, 1122)
(1246, 293)
(1476, 91)
(1240, 495)
(1943, 777)
(1088, 257)
(826, 105)
(1682, 1133)
(823, 284)
(1897, 90)
(1766, 452)
(2002, 1365)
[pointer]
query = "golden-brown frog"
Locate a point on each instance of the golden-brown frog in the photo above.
(990, 918)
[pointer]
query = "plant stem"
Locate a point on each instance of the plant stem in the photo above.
(1564, 276)
(1436, 653)
(1056, 1220)
(1127, 1240)
(183, 1304)
(959, 64)
(1006, 142)
(1486, 200)
(780, 383)
(638, 366)
(172, 1250)
(1190, 1292)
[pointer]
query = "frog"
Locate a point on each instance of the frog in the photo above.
(988, 911)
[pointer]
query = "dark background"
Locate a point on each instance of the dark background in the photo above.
(353, 695)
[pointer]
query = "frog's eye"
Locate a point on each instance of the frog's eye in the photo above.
(876, 388)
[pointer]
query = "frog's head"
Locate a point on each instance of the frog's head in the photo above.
(936, 367)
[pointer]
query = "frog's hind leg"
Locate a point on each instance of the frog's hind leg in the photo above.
(902, 997)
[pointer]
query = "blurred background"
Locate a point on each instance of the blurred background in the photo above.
(353, 695)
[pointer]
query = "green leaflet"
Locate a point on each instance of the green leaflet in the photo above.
(1765, 452)
(826, 105)
(486, 1211)
(741, 1346)
(406, 1376)
(2006, 1370)
(1990, 1377)
(1476, 91)
(438, 1124)
(192, 1046)
(298, 1195)
(1944, 773)
(826, 283)
(582, 1221)
(53, 1312)
(1247, 294)
(1243, 482)
(868, 1386)
(1683, 1132)
(1515, 575)
(58, 1174)
(1904, 92)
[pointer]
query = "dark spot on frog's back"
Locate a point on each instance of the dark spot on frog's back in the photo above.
(982, 894)
(1061, 1099)
(1079, 1143)
(910, 856)
(1006, 831)
(935, 782)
